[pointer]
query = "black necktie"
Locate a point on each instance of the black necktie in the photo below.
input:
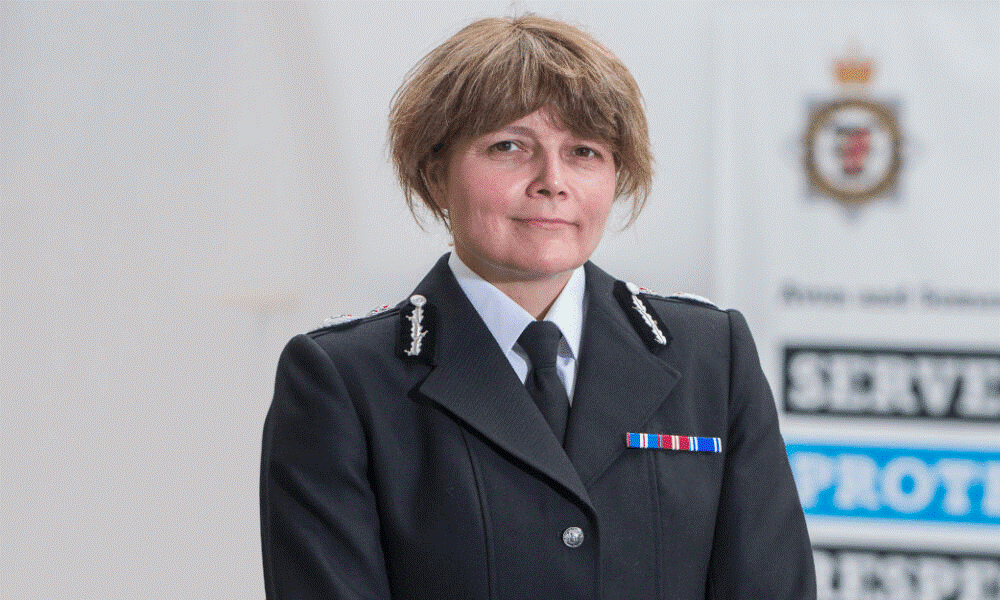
(540, 341)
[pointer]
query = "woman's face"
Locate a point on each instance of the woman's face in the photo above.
(528, 201)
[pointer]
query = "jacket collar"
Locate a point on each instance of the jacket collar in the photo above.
(620, 383)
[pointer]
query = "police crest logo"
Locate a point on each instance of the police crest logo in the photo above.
(853, 144)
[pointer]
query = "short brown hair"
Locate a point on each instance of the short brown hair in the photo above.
(497, 70)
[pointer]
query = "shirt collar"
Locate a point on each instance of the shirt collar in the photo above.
(506, 319)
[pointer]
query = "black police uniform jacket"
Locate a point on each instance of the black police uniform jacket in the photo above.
(436, 477)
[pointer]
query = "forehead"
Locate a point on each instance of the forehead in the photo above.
(541, 121)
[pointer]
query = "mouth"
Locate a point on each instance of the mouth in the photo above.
(544, 222)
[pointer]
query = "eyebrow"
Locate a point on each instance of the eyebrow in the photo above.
(529, 132)
(518, 129)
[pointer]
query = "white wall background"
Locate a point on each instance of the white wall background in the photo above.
(185, 186)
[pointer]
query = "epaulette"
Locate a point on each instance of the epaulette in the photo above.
(682, 296)
(418, 323)
(642, 316)
(692, 299)
(341, 319)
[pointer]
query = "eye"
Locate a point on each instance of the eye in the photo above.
(586, 152)
(505, 146)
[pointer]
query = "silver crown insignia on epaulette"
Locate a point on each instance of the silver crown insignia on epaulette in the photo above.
(336, 320)
(685, 296)
(339, 319)
(695, 298)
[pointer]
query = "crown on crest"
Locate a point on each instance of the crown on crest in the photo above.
(853, 69)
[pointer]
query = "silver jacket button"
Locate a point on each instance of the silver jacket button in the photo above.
(573, 537)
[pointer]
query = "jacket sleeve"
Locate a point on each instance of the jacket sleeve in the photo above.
(761, 547)
(319, 521)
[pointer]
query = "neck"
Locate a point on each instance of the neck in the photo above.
(535, 293)
(535, 296)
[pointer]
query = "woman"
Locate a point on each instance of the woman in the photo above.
(431, 451)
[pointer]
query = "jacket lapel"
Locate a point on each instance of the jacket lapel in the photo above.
(473, 380)
(620, 382)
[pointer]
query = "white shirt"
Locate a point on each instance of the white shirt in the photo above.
(506, 319)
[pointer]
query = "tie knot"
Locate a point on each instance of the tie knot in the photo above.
(540, 341)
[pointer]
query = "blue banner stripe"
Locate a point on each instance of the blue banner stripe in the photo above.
(942, 485)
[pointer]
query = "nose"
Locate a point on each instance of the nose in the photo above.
(549, 181)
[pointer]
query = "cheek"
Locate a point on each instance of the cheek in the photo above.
(481, 214)
(479, 192)
(603, 199)
(491, 206)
